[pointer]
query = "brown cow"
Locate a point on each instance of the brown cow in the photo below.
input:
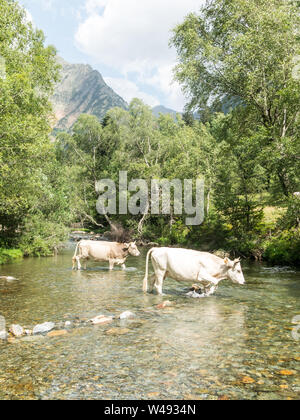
(113, 252)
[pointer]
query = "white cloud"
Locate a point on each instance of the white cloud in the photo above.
(132, 36)
(129, 90)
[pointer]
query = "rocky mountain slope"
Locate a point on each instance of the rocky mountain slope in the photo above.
(160, 109)
(81, 90)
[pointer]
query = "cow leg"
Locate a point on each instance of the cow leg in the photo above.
(151, 283)
(210, 290)
(123, 267)
(204, 275)
(78, 263)
(160, 276)
(111, 265)
(84, 264)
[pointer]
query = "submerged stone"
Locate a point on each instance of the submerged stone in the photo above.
(101, 319)
(43, 328)
(8, 278)
(58, 333)
(127, 315)
(166, 304)
(3, 335)
(117, 331)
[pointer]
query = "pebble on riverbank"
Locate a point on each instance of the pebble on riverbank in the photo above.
(101, 320)
(17, 330)
(43, 328)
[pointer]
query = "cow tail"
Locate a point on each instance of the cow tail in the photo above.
(145, 282)
(75, 255)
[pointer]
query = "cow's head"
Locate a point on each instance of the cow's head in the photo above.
(132, 249)
(235, 272)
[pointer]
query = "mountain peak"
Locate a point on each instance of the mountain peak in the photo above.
(82, 90)
(160, 109)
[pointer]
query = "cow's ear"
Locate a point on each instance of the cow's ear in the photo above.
(236, 261)
(126, 246)
(228, 262)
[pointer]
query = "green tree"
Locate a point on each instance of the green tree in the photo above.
(246, 50)
(28, 177)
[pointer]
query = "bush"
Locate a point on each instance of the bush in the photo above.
(41, 238)
(10, 255)
(284, 248)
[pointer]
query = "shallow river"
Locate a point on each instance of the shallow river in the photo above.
(235, 344)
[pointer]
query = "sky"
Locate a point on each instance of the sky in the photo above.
(127, 41)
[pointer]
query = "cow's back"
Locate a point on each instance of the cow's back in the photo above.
(101, 250)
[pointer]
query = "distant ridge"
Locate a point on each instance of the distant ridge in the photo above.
(82, 90)
(160, 109)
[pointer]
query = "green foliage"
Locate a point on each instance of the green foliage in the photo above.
(283, 248)
(291, 219)
(31, 183)
(246, 50)
(40, 237)
(10, 255)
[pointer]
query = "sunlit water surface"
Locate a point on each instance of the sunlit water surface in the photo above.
(236, 344)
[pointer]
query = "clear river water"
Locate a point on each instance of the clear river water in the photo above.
(240, 343)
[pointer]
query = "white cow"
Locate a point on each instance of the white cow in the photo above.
(112, 252)
(187, 265)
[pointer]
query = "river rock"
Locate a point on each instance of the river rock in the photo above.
(127, 315)
(43, 328)
(3, 335)
(57, 333)
(166, 304)
(16, 330)
(68, 324)
(118, 331)
(8, 278)
(101, 320)
(33, 338)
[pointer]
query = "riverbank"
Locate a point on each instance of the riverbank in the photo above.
(282, 249)
(270, 245)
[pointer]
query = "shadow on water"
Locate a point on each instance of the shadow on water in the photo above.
(235, 344)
